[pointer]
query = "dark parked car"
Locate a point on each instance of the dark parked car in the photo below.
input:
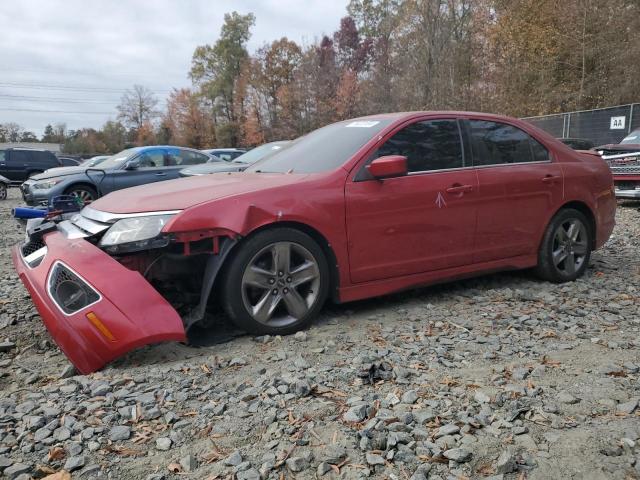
(18, 164)
(4, 183)
(226, 154)
(578, 143)
(624, 160)
(134, 166)
(237, 165)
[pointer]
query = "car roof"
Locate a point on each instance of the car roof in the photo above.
(223, 150)
(456, 113)
(147, 147)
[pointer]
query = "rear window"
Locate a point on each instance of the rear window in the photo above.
(633, 137)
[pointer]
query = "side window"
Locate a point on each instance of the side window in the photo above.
(539, 152)
(45, 158)
(498, 143)
(429, 145)
(2, 157)
(151, 159)
(226, 156)
(21, 157)
(188, 157)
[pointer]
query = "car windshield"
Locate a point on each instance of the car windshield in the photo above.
(324, 149)
(92, 162)
(258, 153)
(633, 137)
(117, 160)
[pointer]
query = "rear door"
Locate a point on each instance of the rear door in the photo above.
(150, 168)
(421, 222)
(20, 165)
(520, 186)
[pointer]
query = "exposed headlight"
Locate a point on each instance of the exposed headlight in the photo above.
(136, 233)
(46, 185)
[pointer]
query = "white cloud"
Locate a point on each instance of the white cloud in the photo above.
(108, 46)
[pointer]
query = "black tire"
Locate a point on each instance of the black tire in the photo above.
(552, 248)
(238, 294)
(84, 192)
(3, 191)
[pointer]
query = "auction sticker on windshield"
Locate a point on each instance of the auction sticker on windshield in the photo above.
(362, 124)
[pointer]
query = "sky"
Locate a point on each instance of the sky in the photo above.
(69, 61)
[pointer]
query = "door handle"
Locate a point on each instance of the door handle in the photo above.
(550, 179)
(457, 188)
(161, 174)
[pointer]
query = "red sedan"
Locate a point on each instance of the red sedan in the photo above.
(353, 210)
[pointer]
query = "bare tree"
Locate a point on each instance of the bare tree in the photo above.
(137, 107)
(10, 132)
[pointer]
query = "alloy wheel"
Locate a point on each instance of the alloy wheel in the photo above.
(280, 284)
(570, 246)
(84, 195)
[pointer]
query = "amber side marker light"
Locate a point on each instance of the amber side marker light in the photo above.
(96, 322)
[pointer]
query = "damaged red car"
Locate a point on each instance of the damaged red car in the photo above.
(353, 210)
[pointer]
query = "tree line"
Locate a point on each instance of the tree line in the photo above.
(516, 57)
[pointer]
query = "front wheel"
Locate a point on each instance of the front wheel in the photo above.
(566, 247)
(3, 191)
(276, 283)
(84, 193)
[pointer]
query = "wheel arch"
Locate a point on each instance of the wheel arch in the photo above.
(583, 208)
(82, 183)
(318, 237)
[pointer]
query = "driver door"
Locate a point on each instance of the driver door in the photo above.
(150, 167)
(420, 222)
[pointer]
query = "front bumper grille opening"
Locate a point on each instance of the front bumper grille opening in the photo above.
(32, 246)
(69, 291)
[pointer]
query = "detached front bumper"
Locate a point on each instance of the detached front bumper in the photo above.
(123, 310)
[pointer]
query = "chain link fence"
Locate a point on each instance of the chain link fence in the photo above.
(601, 126)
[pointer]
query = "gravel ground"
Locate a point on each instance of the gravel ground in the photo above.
(502, 377)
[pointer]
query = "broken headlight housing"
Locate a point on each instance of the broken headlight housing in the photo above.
(135, 233)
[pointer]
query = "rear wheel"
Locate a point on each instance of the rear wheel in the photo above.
(276, 283)
(566, 247)
(82, 192)
(3, 191)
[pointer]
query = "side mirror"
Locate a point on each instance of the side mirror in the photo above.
(131, 165)
(388, 167)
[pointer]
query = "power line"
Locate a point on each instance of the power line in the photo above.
(50, 99)
(54, 111)
(74, 88)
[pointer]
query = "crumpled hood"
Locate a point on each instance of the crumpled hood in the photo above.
(59, 172)
(186, 192)
(620, 147)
